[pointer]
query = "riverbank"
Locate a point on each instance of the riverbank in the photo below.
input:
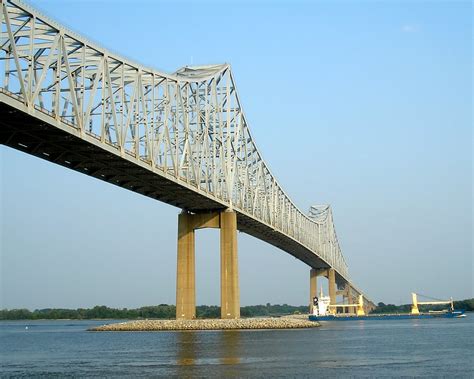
(207, 324)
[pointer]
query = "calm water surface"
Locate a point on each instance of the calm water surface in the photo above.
(430, 348)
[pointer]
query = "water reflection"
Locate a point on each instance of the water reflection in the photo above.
(230, 346)
(427, 348)
(225, 344)
(187, 348)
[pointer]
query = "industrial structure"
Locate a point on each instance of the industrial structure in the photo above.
(180, 138)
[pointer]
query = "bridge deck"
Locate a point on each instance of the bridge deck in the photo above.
(179, 138)
(35, 135)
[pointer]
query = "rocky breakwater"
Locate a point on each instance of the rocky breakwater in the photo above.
(207, 324)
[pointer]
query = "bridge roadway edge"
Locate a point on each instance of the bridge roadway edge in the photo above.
(34, 132)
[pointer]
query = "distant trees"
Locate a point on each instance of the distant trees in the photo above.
(165, 311)
(162, 311)
(390, 308)
(98, 312)
(272, 310)
(467, 305)
(15, 314)
(208, 311)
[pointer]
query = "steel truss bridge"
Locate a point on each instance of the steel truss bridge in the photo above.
(180, 138)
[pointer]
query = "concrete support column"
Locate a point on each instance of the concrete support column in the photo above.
(230, 295)
(185, 277)
(332, 285)
(347, 297)
(313, 287)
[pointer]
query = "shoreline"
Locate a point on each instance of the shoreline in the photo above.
(207, 324)
(144, 319)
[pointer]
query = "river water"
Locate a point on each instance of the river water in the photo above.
(430, 348)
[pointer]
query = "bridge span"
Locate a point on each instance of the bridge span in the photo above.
(180, 138)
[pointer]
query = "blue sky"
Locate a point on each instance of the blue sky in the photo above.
(366, 106)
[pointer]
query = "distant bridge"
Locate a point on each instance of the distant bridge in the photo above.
(179, 138)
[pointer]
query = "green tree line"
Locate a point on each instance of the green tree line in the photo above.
(467, 305)
(165, 311)
(162, 311)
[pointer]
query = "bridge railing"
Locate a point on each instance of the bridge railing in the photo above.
(188, 126)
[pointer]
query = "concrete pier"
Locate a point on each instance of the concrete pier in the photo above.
(186, 276)
(332, 285)
(313, 287)
(230, 295)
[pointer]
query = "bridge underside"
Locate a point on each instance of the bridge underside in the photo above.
(179, 138)
(35, 134)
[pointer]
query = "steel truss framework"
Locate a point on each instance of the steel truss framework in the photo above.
(188, 127)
